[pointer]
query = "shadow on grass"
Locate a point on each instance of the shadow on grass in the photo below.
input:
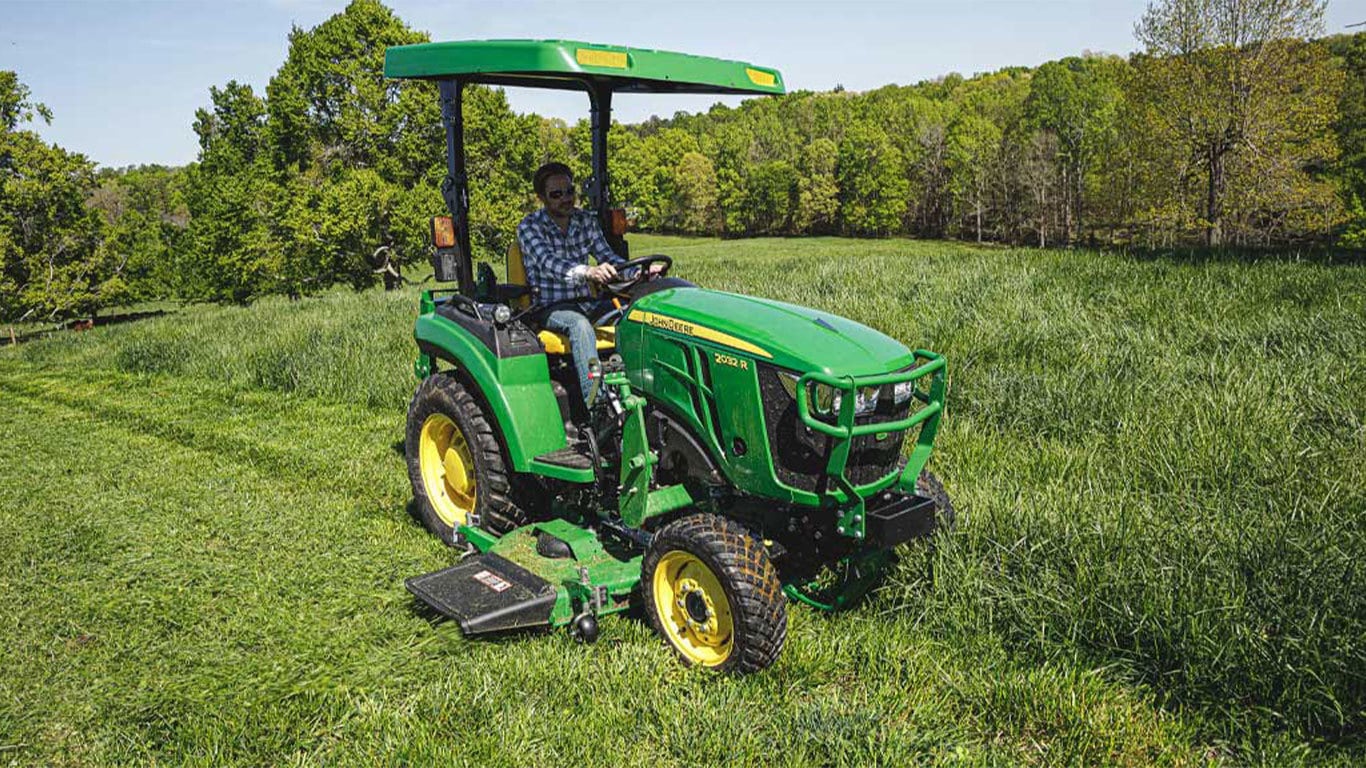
(128, 317)
(414, 516)
(9, 336)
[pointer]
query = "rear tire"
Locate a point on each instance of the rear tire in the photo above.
(713, 596)
(455, 463)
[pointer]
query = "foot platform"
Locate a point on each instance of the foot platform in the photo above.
(573, 457)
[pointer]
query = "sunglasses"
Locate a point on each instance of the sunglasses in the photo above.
(556, 194)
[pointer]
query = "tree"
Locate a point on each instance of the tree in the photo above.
(501, 153)
(1077, 99)
(145, 216)
(728, 146)
(50, 262)
(1037, 159)
(1351, 133)
(15, 106)
(632, 169)
(974, 143)
(696, 200)
(332, 229)
(930, 170)
(1225, 76)
(872, 182)
(770, 198)
(231, 133)
(232, 194)
(818, 201)
(330, 103)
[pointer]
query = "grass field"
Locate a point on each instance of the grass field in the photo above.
(1161, 467)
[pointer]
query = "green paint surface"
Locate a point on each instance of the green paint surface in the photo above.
(607, 563)
(516, 389)
(798, 338)
(543, 62)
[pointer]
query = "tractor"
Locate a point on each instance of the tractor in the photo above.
(735, 454)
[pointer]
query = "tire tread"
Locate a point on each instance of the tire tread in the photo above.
(759, 607)
(495, 509)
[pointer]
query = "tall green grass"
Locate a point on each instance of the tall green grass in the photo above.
(1162, 467)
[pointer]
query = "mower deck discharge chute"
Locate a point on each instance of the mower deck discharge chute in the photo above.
(738, 452)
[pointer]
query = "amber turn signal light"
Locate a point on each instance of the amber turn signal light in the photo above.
(616, 221)
(443, 231)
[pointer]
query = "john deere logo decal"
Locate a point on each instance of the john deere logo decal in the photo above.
(696, 331)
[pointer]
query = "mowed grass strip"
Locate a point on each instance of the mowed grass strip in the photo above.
(1162, 466)
(172, 602)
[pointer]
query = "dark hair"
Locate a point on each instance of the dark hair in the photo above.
(544, 173)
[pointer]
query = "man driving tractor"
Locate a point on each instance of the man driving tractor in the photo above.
(556, 242)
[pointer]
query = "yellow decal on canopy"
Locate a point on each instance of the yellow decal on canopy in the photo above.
(695, 330)
(613, 59)
(759, 77)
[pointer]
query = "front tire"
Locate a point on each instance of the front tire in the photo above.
(713, 596)
(931, 487)
(455, 463)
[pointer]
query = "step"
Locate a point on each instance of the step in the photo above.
(572, 457)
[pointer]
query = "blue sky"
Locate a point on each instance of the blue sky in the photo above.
(124, 77)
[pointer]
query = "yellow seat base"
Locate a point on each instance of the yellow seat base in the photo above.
(558, 343)
(554, 343)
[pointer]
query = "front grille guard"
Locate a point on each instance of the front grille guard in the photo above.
(844, 430)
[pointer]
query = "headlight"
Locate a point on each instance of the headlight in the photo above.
(903, 392)
(866, 400)
(501, 314)
(826, 400)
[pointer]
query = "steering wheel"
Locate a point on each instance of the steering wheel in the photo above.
(642, 274)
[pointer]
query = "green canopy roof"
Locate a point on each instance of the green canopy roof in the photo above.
(568, 63)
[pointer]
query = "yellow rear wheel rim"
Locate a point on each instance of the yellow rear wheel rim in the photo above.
(447, 470)
(693, 609)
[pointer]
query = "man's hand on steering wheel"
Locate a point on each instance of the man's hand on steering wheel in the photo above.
(602, 273)
(647, 268)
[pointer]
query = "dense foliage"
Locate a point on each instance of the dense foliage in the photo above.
(1351, 131)
(51, 262)
(1229, 129)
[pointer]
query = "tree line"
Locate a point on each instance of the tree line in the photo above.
(1237, 125)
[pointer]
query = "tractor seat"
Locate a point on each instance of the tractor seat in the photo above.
(554, 343)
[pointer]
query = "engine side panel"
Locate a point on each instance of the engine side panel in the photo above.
(714, 388)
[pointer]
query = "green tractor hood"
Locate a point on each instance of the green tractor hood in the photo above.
(786, 335)
(701, 355)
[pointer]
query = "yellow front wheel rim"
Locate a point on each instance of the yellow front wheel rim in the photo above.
(447, 469)
(693, 609)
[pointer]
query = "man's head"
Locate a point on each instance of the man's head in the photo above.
(554, 184)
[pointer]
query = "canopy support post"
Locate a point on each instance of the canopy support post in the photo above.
(599, 185)
(455, 187)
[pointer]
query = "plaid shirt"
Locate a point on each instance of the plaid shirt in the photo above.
(557, 262)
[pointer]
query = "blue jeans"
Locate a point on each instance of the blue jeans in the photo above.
(571, 319)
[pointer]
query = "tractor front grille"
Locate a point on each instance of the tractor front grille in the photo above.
(800, 454)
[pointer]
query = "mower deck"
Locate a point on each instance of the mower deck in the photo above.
(537, 575)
